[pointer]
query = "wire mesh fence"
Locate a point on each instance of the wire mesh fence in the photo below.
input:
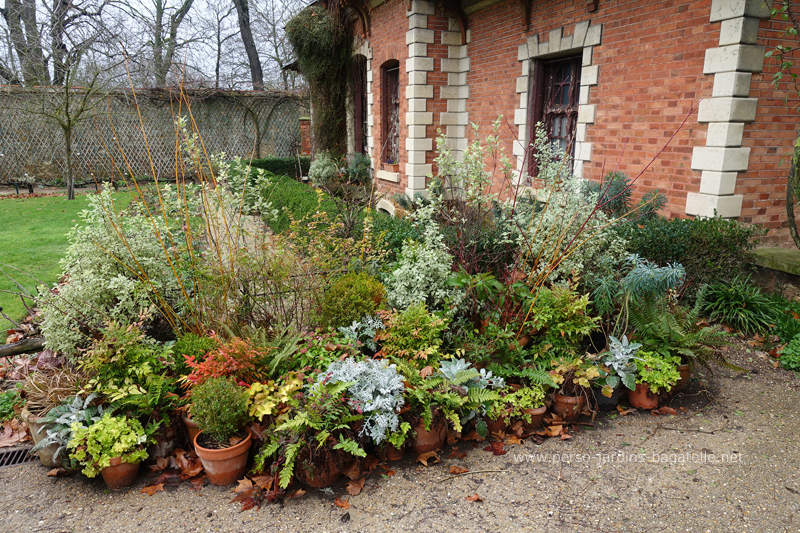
(135, 133)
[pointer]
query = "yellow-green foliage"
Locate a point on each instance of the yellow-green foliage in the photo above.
(111, 436)
(273, 399)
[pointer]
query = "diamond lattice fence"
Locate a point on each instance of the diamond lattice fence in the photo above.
(111, 139)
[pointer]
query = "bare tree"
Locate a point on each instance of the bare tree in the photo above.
(243, 14)
(270, 18)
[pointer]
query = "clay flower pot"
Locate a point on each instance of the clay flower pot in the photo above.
(642, 397)
(227, 465)
(322, 472)
(120, 475)
(45, 454)
(429, 440)
(537, 415)
(569, 408)
(686, 374)
(191, 428)
(388, 452)
(496, 426)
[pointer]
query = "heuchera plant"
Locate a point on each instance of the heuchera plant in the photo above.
(111, 436)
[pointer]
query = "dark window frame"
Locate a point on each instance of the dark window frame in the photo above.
(546, 87)
(390, 123)
(359, 92)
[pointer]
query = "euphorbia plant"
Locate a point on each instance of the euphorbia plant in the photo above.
(93, 447)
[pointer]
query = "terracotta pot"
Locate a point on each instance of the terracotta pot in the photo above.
(537, 415)
(191, 428)
(642, 397)
(388, 452)
(496, 426)
(120, 475)
(166, 442)
(45, 454)
(322, 472)
(429, 440)
(569, 408)
(227, 465)
(686, 374)
(604, 403)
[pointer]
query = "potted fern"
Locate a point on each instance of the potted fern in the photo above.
(219, 407)
(310, 443)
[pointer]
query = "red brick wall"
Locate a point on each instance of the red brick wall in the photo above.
(650, 83)
(388, 41)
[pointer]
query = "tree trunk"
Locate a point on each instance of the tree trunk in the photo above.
(33, 344)
(68, 156)
(792, 182)
(256, 74)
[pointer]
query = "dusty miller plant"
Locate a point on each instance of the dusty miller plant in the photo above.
(364, 331)
(375, 390)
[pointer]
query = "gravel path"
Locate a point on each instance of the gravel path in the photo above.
(633, 473)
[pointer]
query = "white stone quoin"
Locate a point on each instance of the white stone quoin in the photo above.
(732, 63)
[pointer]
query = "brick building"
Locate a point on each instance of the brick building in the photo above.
(674, 93)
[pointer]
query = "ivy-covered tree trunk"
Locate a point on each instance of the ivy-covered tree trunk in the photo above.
(792, 183)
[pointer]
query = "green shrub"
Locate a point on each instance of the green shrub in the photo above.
(93, 447)
(323, 168)
(350, 298)
(710, 249)
(413, 335)
(741, 305)
(787, 319)
(790, 355)
(219, 407)
(396, 230)
(291, 197)
(283, 166)
(190, 345)
(658, 371)
(8, 401)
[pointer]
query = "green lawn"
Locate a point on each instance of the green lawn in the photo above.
(33, 239)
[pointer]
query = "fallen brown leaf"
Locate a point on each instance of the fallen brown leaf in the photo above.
(354, 486)
(352, 469)
(58, 472)
(425, 457)
(264, 482)
(496, 448)
(344, 504)
(152, 489)
(425, 372)
(474, 498)
(370, 462)
(161, 464)
(244, 484)
(513, 439)
(250, 498)
(197, 483)
(664, 411)
(456, 470)
(296, 494)
(458, 454)
(624, 411)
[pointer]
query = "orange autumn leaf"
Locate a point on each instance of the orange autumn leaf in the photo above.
(153, 489)
(427, 456)
(474, 498)
(343, 504)
(456, 470)
(355, 486)
(296, 494)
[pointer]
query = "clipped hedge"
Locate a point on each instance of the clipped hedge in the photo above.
(288, 195)
(710, 249)
(283, 166)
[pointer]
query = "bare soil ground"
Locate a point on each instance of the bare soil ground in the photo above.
(729, 463)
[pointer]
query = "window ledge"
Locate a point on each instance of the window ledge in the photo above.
(388, 176)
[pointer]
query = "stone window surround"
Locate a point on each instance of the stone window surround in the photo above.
(584, 38)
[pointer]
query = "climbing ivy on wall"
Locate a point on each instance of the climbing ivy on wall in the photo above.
(322, 44)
